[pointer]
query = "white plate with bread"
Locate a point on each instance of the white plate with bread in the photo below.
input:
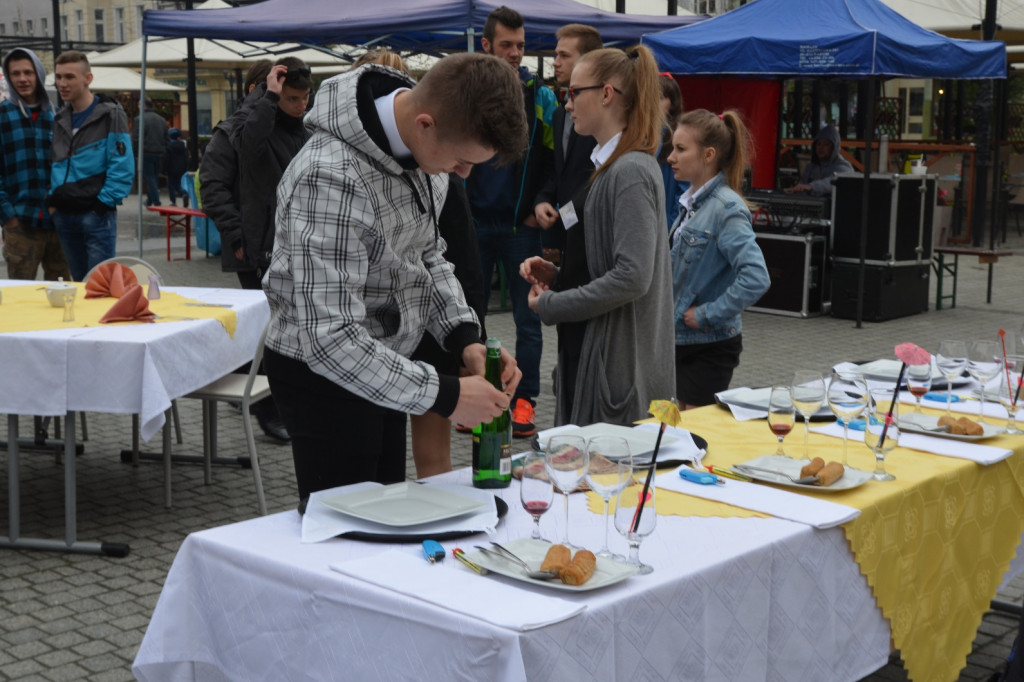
(780, 470)
(959, 428)
(606, 572)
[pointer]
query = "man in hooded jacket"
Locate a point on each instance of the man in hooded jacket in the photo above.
(26, 134)
(825, 162)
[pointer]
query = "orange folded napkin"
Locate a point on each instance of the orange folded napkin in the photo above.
(133, 306)
(110, 279)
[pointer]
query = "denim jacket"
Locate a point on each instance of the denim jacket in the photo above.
(716, 265)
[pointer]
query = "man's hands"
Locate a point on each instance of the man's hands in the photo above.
(275, 79)
(478, 400)
(541, 274)
(546, 214)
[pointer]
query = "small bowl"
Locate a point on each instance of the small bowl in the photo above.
(56, 292)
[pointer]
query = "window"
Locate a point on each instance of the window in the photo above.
(138, 19)
(99, 30)
(44, 26)
(119, 25)
(64, 35)
(30, 28)
(16, 27)
(79, 25)
(3, 29)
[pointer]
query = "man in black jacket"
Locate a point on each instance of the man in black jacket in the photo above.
(573, 166)
(154, 144)
(218, 180)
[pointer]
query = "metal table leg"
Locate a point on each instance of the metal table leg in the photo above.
(70, 542)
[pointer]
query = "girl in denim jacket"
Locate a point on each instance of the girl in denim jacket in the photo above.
(717, 267)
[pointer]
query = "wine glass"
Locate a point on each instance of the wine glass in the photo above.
(628, 507)
(951, 361)
(564, 461)
(536, 491)
(1009, 391)
(882, 432)
(847, 398)
(919, 382)
(808, 396)
(984, 361)
(781, 414)
(609, 467)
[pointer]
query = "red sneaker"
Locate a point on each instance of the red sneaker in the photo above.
(522, 418)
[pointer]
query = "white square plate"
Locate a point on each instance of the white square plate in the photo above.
(607, 572)
(926, 424)
(852, 478)
(402, 504)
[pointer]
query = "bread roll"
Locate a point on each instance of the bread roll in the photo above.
(830, 473)
(947, 421)
(581, 568)
(970, 428)
(557, 559)
(813, 468)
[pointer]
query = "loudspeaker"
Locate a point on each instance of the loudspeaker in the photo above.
(900, 216)
(889, 292)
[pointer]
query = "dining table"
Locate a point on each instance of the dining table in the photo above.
(750, 581)
(55, 368)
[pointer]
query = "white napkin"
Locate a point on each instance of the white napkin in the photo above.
(739, 413)
(321, 523)
(982, 454)
(682, 448)
(455, 588)
(545, 435)
(757, 497)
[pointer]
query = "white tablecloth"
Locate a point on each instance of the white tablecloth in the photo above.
(128, 369)
(729, 599)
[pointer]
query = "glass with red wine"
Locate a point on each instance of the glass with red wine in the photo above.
(537, 491)
(919, 382)
(781, 414)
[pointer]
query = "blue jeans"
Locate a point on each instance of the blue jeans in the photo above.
(512, 247)
(151, 176)
(87, 239)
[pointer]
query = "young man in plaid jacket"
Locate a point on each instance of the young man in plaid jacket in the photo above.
(26, 133)
(358, 275)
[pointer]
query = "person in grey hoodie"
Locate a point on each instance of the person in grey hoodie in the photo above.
(825, 162)
(26, 134)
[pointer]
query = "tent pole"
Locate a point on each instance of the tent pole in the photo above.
(869, 135)
(470, 46)
(142, 123)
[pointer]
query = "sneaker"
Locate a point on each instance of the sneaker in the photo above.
(462, 428)
(522, 418)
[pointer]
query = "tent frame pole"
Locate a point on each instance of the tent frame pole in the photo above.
(142, 125)
(869, 135)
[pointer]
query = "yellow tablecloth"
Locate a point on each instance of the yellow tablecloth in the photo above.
(25, 308)
(933, 545)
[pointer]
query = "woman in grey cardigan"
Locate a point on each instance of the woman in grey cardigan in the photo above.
(612, 296)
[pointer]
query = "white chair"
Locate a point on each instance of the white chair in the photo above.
(141, 268)
(244, 388)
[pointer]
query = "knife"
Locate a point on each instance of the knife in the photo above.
(209, 305)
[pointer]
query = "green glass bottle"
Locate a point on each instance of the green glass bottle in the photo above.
(492, 441)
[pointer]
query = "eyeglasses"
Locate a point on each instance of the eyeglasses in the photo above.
(575, 91)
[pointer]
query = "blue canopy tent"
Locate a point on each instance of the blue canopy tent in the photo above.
(430, 26)
(824, 38)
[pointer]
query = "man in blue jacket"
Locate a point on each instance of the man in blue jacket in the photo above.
(26, 129)
(92, 167)
(502, 199)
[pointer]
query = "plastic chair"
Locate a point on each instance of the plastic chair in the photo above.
(207, 234)
(245, 388)
(141, 268)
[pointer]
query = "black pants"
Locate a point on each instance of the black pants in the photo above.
(338, 438)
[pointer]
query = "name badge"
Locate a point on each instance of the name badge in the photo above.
(569, 217)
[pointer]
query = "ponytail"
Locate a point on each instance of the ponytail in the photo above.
(730, 138)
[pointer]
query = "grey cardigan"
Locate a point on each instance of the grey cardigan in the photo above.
(628, 354)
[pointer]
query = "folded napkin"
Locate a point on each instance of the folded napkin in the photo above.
(682, 448)
(782, 504)
(453, 587)
(132, 306)
(320, 522)
(743, 413)
(949, 447)
(110, 279)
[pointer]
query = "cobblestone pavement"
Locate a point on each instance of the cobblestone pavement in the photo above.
(75, 617)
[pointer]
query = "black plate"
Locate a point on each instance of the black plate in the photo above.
(398, 538)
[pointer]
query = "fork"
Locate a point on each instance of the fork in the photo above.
(509, 556)
(805, 480)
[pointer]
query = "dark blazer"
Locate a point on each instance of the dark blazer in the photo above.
(572, 170)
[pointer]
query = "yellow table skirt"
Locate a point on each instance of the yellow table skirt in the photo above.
(25, 308)
(933, 545)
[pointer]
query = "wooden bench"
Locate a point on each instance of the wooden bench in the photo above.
(941, 267)
(178, 216)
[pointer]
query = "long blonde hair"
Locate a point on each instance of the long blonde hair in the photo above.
(635, 73)
(729, 137)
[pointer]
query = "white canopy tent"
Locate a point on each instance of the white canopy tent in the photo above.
(120, 79)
